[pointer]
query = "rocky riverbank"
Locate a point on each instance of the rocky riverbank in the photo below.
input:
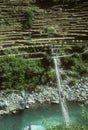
(19, 100)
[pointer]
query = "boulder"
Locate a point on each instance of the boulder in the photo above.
(3, 104)
(22, 105)
(86, 102)
(34, 127)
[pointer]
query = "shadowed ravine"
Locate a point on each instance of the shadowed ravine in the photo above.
(62, 98)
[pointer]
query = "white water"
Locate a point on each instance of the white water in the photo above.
(62, 98)
(34, 127)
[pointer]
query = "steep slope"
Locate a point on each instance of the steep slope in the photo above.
(57, 26)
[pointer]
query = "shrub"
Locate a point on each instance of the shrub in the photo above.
(84, 112)
(29, 15)
(75, 63)
(14, 72)
(18, 73)
(71, 127)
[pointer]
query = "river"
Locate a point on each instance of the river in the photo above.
(46, 115)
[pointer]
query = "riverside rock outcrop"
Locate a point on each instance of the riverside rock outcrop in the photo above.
(12, 102)
(78, 92)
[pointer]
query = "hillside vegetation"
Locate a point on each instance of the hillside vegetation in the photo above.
(29, 30)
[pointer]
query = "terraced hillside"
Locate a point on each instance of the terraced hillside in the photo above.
(56, 26)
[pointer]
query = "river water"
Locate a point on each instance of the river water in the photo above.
(47, 115)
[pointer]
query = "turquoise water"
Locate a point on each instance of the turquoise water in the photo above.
(48, 115)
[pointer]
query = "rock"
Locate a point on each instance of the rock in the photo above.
(86, 102)
(31, 101)
(34, 127)
(83, 94)
(20, 100)
(14, 112)
(27, 106)
(3, 104)
(27, 128)
(23, 94)
(55, 101)
(22, 105)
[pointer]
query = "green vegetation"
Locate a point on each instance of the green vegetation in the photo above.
(51, 30)
(18, 73)
(29, 15)
(75, 63)
(73, 127)
(84, 112)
